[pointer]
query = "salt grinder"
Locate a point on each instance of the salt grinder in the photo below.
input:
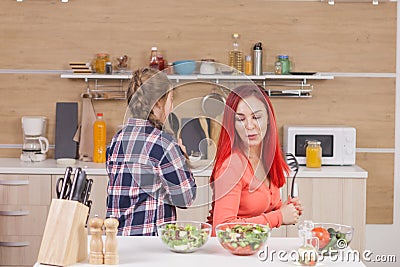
(96, 243)
(111, 246)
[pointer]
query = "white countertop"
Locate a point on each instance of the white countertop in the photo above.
(50, 166)
(149, 251)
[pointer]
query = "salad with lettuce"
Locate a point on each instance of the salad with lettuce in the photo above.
(242, 239)
(185, 238)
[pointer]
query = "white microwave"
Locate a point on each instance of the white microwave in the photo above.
(338, 143)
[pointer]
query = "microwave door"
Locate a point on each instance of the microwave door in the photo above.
(327, 144)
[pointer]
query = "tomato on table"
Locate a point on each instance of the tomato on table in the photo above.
(323, 236)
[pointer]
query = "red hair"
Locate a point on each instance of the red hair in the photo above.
(271, 150)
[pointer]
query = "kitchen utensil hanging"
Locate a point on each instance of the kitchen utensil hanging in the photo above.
(213, 104)
(294, 166)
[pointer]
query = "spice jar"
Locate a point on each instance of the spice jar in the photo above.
(284, 59)
(313, 154)
(278, 68)
(100, 63)
(109, 68)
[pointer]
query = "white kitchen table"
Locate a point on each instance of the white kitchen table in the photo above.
(149, 251)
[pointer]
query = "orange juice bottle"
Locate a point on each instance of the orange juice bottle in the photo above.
(313, 154)
(99, 139)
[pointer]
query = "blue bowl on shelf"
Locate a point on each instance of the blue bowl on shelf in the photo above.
(184, 67)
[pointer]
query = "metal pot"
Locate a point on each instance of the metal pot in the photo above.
(213, 105)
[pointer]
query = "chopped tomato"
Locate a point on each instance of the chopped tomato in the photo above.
(323, 236)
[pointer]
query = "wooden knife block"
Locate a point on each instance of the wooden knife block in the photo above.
(65, 236)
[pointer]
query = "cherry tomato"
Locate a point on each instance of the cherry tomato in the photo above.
(323, 236)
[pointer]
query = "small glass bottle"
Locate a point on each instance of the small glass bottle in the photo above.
(170, 69)
(248, 70)
(153, 58)
(308, 251)
(109, 67)
(278, 68)
(161, 62)
(313, 154)
(284, 59)
(235, 55)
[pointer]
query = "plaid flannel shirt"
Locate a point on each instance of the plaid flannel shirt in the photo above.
(148, 177)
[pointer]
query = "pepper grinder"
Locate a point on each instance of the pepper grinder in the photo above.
(257, 59)
(96, 255)
(111, 246)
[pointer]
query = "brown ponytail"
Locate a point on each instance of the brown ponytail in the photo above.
(146, 88)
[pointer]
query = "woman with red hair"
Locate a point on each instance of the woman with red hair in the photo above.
(249, 167)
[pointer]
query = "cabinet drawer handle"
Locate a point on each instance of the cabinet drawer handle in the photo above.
(14, 244)
(14, 182)
(14, 212)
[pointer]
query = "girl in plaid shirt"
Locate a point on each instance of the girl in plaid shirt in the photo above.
(148, 175)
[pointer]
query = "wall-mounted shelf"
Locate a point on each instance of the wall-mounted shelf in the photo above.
(99, 91)
(275, 85)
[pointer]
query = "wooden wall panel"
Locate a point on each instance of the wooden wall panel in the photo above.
(368, 104)
(357, 37)
(380, 186)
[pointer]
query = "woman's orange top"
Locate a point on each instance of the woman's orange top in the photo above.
(240, 197)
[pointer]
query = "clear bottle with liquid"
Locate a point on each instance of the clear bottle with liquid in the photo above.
(235, 55)
(99, 139)
(308, 252)
(153, 58)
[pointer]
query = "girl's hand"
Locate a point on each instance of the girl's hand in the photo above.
(183, 148)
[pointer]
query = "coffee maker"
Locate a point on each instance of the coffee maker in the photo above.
(35, 144)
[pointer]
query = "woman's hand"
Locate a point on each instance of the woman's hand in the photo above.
(297, 204)
(290, 215)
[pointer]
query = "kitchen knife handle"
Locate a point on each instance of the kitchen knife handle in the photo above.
(79, 187)
(64, 187)
(78, 171)
(88, 188)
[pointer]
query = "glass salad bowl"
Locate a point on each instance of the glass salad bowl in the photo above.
(242, 238)
(184, 236)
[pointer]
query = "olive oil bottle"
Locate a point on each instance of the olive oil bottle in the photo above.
(235, 55)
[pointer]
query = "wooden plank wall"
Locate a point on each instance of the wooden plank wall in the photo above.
(346, 37)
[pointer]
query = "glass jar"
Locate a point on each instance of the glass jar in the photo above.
(109, 67)
(208, 66)
(284, 59)
(278, 68)
(313, 154)
(100, 63)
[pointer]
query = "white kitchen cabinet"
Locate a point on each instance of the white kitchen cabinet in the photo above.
(24, 205)
(198, 211)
